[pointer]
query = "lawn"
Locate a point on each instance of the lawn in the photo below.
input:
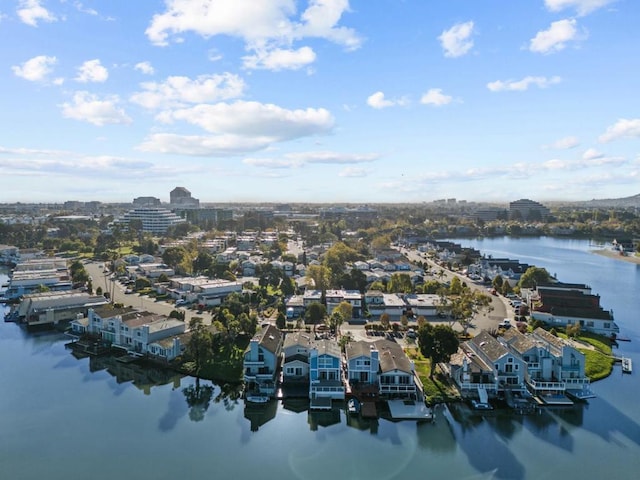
(437, 389)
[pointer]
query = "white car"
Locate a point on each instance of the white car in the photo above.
(506, 323)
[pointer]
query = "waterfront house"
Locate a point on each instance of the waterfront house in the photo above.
(508, 368)
(262, 360)
(396, 377)
(554, 366)
(567, 304)
(50, 308)
(325, 374)
(362, 365)
(295, 354)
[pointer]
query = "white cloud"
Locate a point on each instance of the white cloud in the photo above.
(280, 59)
(92, 71)
(623, 128)
(456, 41)
(31, 11)
(178, 90)
(352, 172)
(145, 67)
(254, 119)
(592, 154)
(522, 85)
(583, 7)
(555, 38)
(202, 145)
(378, 101)
(81, 8)
(434, 96)
(35, 69)
(264, 26)
(90, 108)
(300, 159)
(564, 143)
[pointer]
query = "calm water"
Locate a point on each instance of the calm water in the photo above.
(63, 418)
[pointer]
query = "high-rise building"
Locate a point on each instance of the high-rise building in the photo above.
(180, 198)
(527, 210)
(153, 220)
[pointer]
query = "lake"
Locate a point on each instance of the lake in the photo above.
(62, 417)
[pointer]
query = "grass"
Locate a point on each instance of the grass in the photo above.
(437, 389)
(597, 364)
(599, 359)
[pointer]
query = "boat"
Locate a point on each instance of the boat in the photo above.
(257, 398)
(477, 405)
(353, 405)
(627, 365)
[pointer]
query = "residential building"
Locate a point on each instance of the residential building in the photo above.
(396, 377)
(554, 366)
(363, 364)
(50, 308)
(325, 374)
(295, 354)
(262, 359)
(564, 305)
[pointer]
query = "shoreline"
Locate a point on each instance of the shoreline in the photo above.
(611, 254)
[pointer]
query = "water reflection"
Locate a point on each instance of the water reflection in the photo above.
(260, 413)
(486, 451)
(198, 399)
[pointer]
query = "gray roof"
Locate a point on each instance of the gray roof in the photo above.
(518, 341)
(392, 357)
(489, 346)
(359, 349)
(328, 347)
(269, 338)
(298, 338)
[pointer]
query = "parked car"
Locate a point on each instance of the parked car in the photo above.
(411, 333)
(506, 323)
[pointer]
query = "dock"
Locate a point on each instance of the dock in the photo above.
(627, 365)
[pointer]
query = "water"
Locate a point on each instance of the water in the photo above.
(64, 418)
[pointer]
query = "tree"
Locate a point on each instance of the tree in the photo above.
(385, 320)
(497, 283)
(465, 306)
(534, 276)
(335, 320)
(437, 343)
(346, 310)
(400, 283)
(315, 314)
(200, 344)
(320, 276)
(142, 282)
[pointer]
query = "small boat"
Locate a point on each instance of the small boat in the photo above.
(353, 405)
(257, 398)
(477, 405)
(627, 365)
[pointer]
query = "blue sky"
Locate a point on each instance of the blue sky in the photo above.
(358, 101)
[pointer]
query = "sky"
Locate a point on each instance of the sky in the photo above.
(350, 101)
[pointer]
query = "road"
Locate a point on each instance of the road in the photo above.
(484, 321)
(116, 290)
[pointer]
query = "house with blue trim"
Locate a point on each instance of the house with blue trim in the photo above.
(325, 374)
(262, 360)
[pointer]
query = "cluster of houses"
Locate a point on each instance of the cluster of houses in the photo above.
(317, 368)
(137, 332)
(513, 366)
(537, 364)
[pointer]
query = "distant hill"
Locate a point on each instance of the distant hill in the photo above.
(633, 201)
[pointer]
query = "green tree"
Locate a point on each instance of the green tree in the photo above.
(346, 310)
(200, 345)
(455, 288)
(174, 256)
(320, 275)
(497, 283)
(437, 343)
(142, 282)
(315, 313)
(400, 283)
(335, 320)
(385, 321)
(534, 276)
